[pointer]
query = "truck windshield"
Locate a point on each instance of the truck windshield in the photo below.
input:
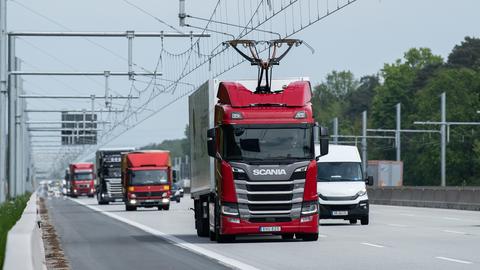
(148, 177)
(262, 144)
(83, 176)
(339, 171)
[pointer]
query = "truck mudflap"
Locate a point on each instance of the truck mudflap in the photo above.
(236, 226)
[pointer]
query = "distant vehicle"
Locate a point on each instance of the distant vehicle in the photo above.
(177, 192)
(341, 185)
(147, 179)
(82, 178)
(109, 174)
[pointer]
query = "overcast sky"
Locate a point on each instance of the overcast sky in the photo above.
(360, 38)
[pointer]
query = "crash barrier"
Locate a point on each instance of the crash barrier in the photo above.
(24, 249)
(464, 198)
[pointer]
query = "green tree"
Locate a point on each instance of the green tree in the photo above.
(466, 54)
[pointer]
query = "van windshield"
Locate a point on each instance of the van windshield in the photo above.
(339, 171)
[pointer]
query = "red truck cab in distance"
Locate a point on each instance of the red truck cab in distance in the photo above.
(253, 163)
(147, 179)
(82, 179)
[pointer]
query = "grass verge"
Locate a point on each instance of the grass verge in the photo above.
(10, 213)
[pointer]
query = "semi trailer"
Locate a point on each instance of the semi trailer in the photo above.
(147, 179)
(82, 179)
(109, 174)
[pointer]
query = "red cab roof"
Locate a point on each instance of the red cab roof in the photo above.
(82, 165)
(296, 94)
(152, 158)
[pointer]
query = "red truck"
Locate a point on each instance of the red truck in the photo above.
(147, 179)
(82, 179)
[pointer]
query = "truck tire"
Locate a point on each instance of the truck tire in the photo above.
(364, 220)
(353, 221)
(308, 236)
(201, 224)
(130, 208)
(160, 208)
(287, 236)
(166, 207)
(100, 200)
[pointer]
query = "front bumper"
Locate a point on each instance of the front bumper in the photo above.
(244, 227)
(149, 202)
(354, 211)
(83, 191)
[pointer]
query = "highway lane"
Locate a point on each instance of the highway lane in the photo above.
(397, 238)
(94, 241)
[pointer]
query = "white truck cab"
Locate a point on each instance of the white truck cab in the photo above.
(341, 186)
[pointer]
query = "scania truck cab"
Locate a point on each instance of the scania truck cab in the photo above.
(342, 186)
(147, 179)
(253, 160)
(82, 179)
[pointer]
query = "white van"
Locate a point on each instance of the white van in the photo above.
(341, 187)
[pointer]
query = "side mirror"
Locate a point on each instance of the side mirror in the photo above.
(369, 181)
(323, 141)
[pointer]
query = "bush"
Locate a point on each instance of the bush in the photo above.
(10, 213)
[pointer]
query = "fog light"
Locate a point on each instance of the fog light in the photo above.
(233, 220)
(92, 190)
(133, 201)
(166, 200)
(74, 191)
(306, 219)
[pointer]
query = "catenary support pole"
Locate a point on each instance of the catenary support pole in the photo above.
(335, 130)
(364, 142)
(3, 98)
(398, 130)
(443, 139)
(12, 90)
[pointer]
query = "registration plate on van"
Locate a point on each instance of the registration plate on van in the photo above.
(339, 213)
(271, 229)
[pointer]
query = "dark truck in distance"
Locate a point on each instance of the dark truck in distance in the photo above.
(109, 174)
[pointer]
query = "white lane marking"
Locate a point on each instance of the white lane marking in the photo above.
(406, 215)
(451, 218)
(455, 232)
(453, 260)
(174, 240)
(322, 236)
(372, 245)
(397, 225)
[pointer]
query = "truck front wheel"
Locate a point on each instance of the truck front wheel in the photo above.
(130, 208)
(201, 223)
(166, 207)
(308, 236)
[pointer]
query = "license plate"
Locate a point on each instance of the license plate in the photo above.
(339, 213)
(271, 229)
(149, 201)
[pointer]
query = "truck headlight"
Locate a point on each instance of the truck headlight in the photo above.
(309, 208)
(362, 192)
(301, 169)
(230, 210)
(133, 196)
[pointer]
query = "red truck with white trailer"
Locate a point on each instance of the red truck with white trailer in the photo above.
(82, 179)
(147, 179)
(253, 164)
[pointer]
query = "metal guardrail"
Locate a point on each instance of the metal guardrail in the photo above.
(463, 198)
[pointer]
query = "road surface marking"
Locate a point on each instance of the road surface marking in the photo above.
(455, 232)
(372, 245)
(407, 215)
(322, 236)
(397, 225)
(453, 260)
(452, 218)
(174, 240)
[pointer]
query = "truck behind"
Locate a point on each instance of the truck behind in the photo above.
(109, 174)
(82, 179)
(147, 179)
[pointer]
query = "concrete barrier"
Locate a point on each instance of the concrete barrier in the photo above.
(464, 198)
(24, 249)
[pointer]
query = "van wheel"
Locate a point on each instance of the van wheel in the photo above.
(364, 221)
(353, 221)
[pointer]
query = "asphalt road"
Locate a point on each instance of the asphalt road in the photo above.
(397, 238)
